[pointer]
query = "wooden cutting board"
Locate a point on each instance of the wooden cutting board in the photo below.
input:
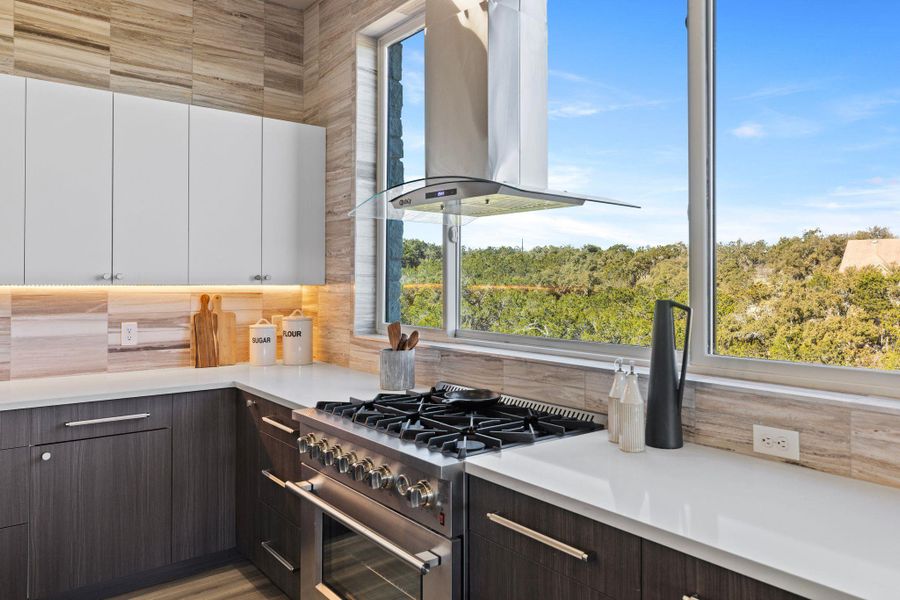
(203, 332)
(227, 332)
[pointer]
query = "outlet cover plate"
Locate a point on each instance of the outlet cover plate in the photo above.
(783, 443)
(129, 333)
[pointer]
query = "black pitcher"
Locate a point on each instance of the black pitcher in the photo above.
(666, 389)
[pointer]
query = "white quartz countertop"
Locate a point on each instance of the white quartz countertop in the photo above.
(294, 387)
(818, 535)
(815, 534)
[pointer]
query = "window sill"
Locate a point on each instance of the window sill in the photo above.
(591, 363)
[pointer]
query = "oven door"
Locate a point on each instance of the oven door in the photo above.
(353, 548)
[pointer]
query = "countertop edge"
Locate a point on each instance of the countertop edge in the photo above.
(722, 558)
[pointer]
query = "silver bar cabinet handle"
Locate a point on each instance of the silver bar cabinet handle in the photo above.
(268, 474)
(108, 420)
(278, 425)
(267, 546)
(423, 561)
(539, 537)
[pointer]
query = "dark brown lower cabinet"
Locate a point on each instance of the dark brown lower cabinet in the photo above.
(278, 550)
(671, 574)
(268, 517)
(101, 509)
(500, 574)
(203, 467)
(14, 562)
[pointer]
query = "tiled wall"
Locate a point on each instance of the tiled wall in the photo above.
(243, 55)
(47, 332)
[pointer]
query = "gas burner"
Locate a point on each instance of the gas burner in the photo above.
(430, 420)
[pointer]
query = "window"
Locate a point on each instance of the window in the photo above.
(807, 184)
(775, 128)
(414, 257)
(617, 127)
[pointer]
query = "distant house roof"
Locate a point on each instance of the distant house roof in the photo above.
(883, 254)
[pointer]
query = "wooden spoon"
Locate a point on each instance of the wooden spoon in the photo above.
(413, 340)
(401, 345)
(394, 335)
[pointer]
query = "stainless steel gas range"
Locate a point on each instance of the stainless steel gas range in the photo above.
(384, 488)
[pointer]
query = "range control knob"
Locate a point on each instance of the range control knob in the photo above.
(421, 495)
(380, 478)
(330, 456)
(318, 449)
(345, 462)
(305, 442)
(360, 469)
(402, 485)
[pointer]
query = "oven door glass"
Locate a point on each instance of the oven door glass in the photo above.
(354, 568)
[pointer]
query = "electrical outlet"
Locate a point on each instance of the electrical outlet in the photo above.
(129, 334)
(784, 443)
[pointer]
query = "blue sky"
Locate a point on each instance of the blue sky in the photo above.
(808, 121)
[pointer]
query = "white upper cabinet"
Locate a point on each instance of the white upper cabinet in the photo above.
(150, 191)
(225, 197)
(293, 203)
(68, 184)
(12, 180)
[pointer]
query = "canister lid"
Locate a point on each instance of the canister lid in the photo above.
(262, 324)
(297, 315)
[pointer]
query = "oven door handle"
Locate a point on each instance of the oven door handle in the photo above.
(423, 561)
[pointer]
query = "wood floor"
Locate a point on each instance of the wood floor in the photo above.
(238, 581)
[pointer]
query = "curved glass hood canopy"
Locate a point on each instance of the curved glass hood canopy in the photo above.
(467, 198)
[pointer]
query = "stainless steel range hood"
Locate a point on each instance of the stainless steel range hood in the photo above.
(485, 117)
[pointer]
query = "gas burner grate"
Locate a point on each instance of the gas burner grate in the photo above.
(423, 418)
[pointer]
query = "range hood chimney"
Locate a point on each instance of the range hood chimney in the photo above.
(486, 90)
(485, 116)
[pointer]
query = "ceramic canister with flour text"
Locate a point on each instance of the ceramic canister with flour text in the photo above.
(262, 344)
(296, 337)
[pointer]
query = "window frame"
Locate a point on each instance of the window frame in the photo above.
(703, 360)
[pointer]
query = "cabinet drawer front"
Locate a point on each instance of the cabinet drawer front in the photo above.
(14, 563)
(277, 552)
(95, 419)
(15, 428)
(13, 487)
(280, 463)
(497, 573)
(555, 539)
(669, 573)
(273, 419)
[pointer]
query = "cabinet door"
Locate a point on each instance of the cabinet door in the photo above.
(225, 197)
(12, 180)
(293, 217)
(14, 563)
(203, 492)
(672, 574)
(150, 191)
(68, 184)
(500, 574)
(101, 508)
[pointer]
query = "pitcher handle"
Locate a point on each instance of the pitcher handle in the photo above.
(684, 355)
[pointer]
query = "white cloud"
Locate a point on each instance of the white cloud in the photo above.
(568, 110)
(863, 106)
(413, 87)
(573, 109)
(780, 90)
(776, 125)
(748, 130)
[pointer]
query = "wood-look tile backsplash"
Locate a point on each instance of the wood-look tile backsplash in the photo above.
(242, 55)
(47, 332)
